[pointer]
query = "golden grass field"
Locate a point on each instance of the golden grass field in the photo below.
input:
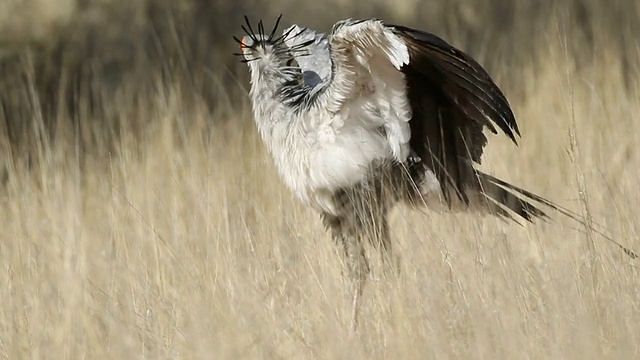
(163, 231)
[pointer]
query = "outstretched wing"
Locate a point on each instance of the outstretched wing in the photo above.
(366, 57)
(452, 99)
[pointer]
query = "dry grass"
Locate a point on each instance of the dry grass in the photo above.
(177, 240)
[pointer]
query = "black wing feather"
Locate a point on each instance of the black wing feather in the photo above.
(465, 83)
(452, 98)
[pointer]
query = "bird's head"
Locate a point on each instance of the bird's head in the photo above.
(270, 58)
(290, 65)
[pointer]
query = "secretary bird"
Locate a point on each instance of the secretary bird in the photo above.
(372, 115)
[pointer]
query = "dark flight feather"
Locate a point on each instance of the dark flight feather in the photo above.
(453, 98)
(464, 82)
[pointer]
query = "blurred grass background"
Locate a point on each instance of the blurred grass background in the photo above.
(141, 218)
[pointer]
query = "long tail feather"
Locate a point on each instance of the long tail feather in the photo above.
(502, 196)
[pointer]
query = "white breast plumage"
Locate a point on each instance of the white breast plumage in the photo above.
(315, 157)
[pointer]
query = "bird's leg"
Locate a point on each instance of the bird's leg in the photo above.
(356, 260)
(358, 270)
(390, 261)
(374, 218)
(344, 233)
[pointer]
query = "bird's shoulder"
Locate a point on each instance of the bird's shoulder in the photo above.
(362, 40)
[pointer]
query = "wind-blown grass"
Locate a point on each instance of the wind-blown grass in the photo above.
(148, 222)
